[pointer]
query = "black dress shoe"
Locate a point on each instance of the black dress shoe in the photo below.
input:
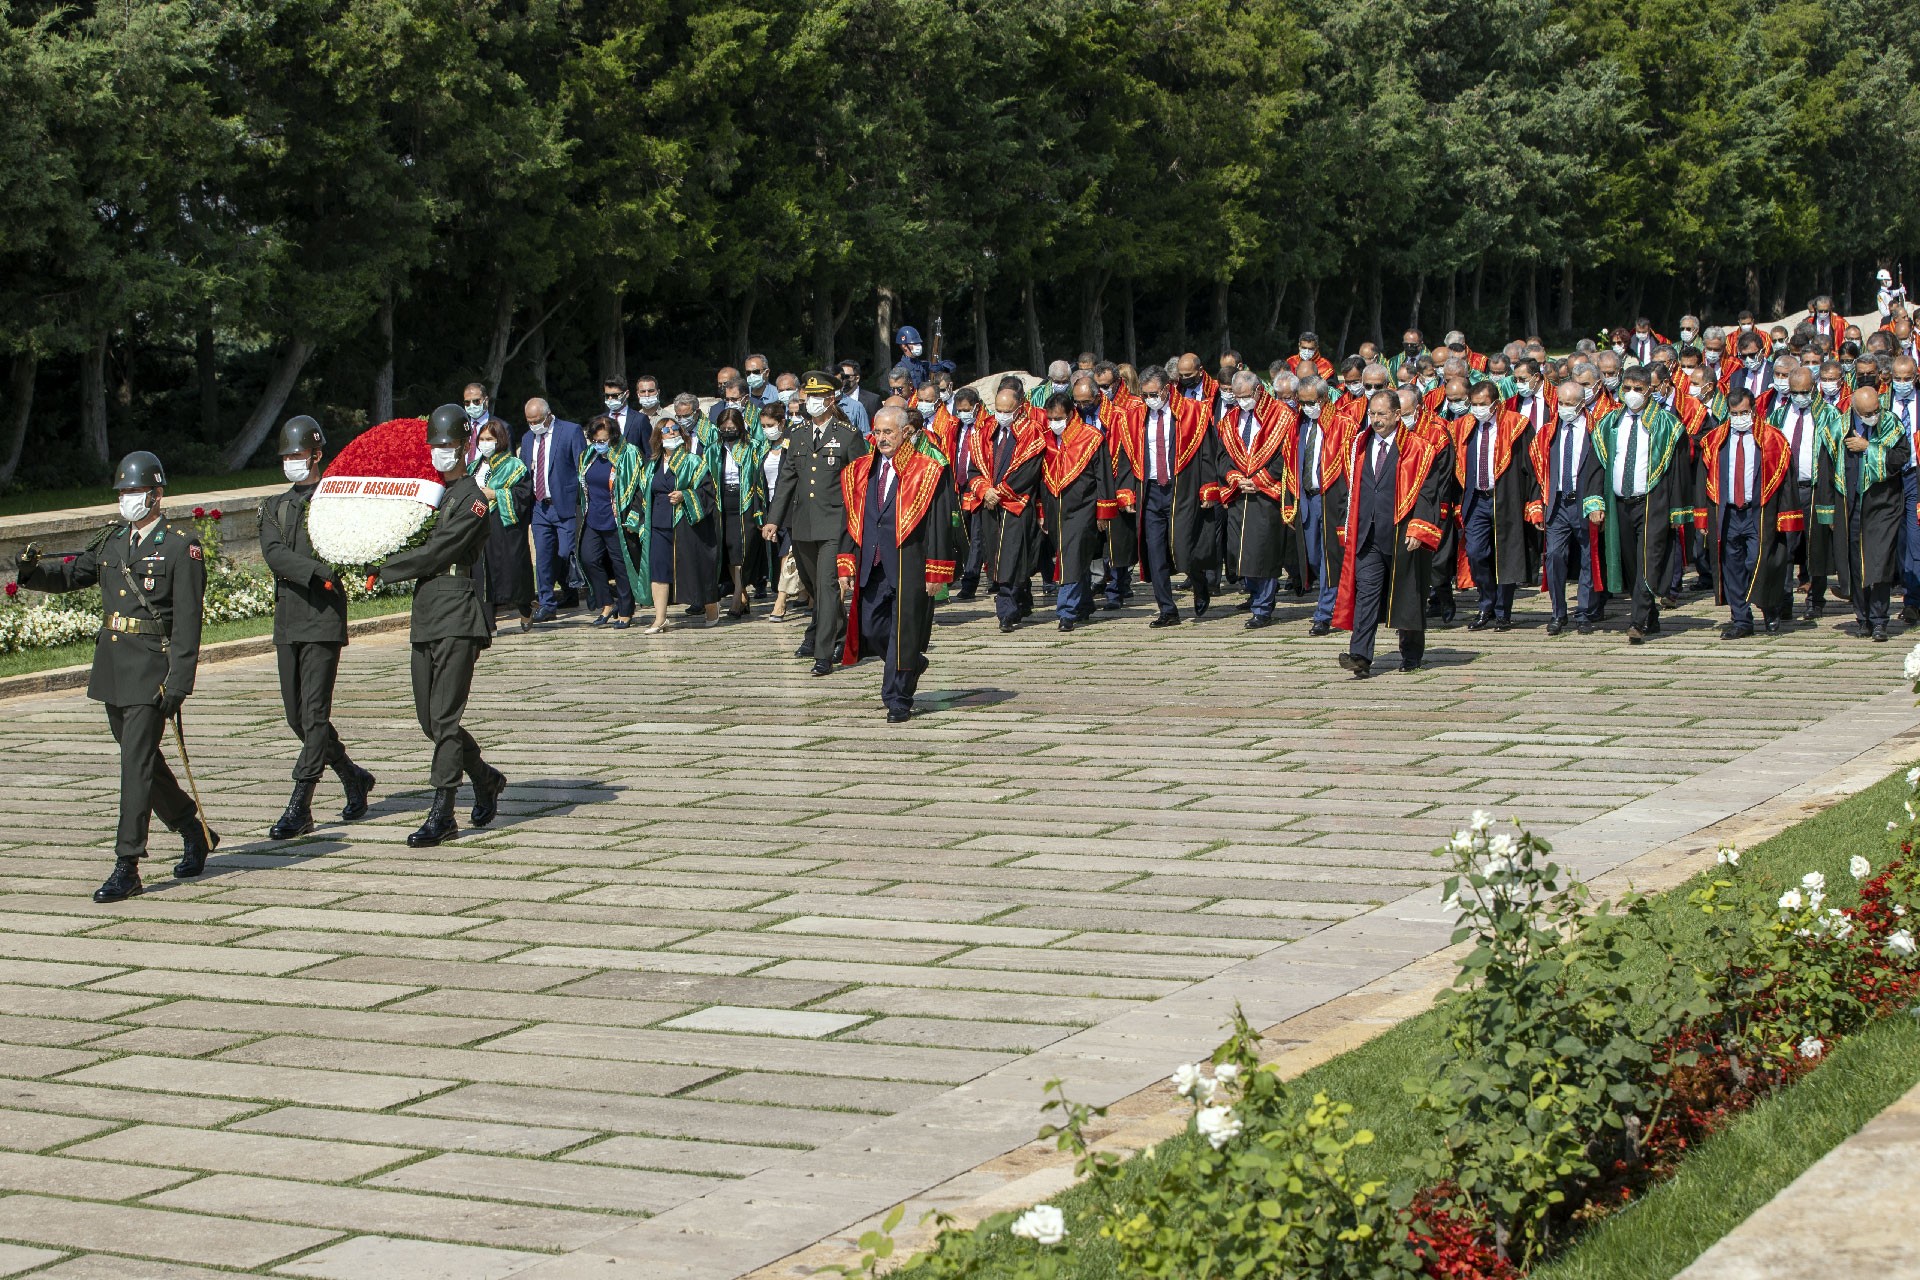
(357, 783)
(1812, 613)
(439, 825)
(1736, 631)
(1773, 627)
(1361, 667)
(1909, 614)
(1555, 626)
(821, 668)
(298, 818)
(1007, 627)
(1880, 634)
(1503, 624)
(695, 610)
(1255, 623)
(1480, 622)
(1583, 627)
(1446, 613)
(1109, 605)
(1636, 636)
(1653, 625)
(1669, 601)
(1165, 620)
(1065, 625)
(196, 844)
(1319, 628)
(1703, 583)
(486, 798)
(804, 651)
(896, 716)
(1201, 603)
(123, 883)
(1408, 668)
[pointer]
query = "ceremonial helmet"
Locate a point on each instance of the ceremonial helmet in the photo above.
(301, 435)
(906, 335)
(448, 427)
(139, 470)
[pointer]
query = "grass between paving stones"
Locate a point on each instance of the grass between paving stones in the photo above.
(72, 655)
(1717, 1187)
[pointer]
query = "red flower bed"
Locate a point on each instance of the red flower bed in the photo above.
(396, 449)
(1453, 1246)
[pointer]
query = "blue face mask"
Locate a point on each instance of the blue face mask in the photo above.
(602, 446)
(476, 412)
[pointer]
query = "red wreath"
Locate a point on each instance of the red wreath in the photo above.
(396, 449)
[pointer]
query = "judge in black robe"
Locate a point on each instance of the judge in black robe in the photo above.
(1869, 498)
(1171, 480)
(1004, 486)
(1491, 473)
(1388, 537)
(1076, 502)
(1257, 500)
(1745, 507)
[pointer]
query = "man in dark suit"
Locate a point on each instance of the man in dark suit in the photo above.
(851, 391)
(152, 580)
(452, 622)
(479, 406)
(808, 504)
(309, 630)
(632, 425)
(551, 449)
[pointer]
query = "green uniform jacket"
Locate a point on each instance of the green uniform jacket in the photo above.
(450, 598)
(807, 502)
(130, 668)
(308, 605)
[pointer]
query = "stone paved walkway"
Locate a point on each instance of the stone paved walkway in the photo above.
(742, 964)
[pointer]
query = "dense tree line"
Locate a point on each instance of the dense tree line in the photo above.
(215, 212)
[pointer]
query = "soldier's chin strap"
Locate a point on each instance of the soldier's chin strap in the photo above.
(186, 765)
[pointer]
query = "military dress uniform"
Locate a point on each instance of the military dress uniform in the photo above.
(309, 631)
(151, 587)
(808, 504)
(452, 621)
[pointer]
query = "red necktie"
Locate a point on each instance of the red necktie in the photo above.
(1163, 469)
(540, 467)
(1740, 469)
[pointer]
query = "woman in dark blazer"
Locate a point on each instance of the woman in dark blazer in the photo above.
(509, 556)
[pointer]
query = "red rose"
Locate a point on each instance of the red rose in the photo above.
(13, 588)
(215, 513)
(198, 512)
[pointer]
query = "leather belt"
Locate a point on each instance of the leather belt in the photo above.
(459, 571)
(135, 626)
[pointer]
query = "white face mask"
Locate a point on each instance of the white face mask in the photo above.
(1619, 348)
(488, 448)
(614, 403)
(1747, 328)
(817, 406)
(915, 349)
(1710, 356)
(1589, 391)
(1830, 389)
(135, 506)
(650, 402)
(1059, 425)
(1154, 402)
(1245, 402)
(965, 416)
(1308, 354)
(1568, 412)
(1408, 419)
(928, 408)
(672, 442)
(1635, 400)
(1311, 410)
(771, 430)
(1741, 422)
(539, 428)
(444, 458)
(1481, 412)
(1686, 335)
(1455, 406)
(296, 469)
(1779, 385)
(787, 395)
(1800, 398)
(1611, 381)
(1003, 416)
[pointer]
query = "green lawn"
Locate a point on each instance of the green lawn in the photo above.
(70, 655)
(183, 487)
(1722, 1182)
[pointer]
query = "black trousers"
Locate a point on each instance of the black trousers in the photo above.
(442, 678)
(1372, 572)
(1633, 528)
(898, 679)
(817, 562)
(307, 674)
(1156, 543)
(1739, 548)
(147, 785)
(976, 527)
(600, 556)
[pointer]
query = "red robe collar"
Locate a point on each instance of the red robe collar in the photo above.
(1069, 454)
(1773, 458)
(916, 478)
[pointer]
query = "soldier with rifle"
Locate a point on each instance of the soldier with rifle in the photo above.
(152, 579)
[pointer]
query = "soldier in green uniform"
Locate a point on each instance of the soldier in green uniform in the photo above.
(452, 622)
(152, 578)
(808, 504)
(309, 630)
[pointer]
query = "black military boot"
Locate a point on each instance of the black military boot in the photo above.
(357, 783)
(123, 883)
(298, 819)
(196, 846)
(439, 824)
(486, 797)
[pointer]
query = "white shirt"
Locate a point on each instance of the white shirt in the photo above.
(1159, 429)
(1802, 419)
(1633, 486)
(732, 477)
(1750, 455)
(1570, 479)
(1310, 455)
(770, 466)
(1908, 411)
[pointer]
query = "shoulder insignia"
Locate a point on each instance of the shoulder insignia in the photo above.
(478, 507)
(101, 535)
(194, 552)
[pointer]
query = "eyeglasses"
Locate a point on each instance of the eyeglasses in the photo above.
(474, 404)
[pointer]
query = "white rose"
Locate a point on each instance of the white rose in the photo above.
(1218, 1125)
(1812, 1047)
(1858, 867)
(1227, 1072)
(1913, 774)
(1500, 846)
(1186, 1078)
(1912, 664)
(1042, 1224)
(1728, 857)
(1900, 943)
(1814, 881)
(1790, 900)
(1482, 820)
